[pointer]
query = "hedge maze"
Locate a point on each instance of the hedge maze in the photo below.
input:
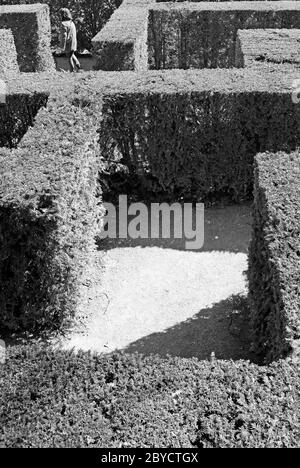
(203, 35)
(185, 98)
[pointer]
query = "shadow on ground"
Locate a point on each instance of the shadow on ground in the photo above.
(87, 63)
(225, 229)
(222, 329)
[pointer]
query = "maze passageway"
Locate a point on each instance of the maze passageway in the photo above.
(155, 297)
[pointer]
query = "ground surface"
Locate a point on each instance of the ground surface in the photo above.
(156, 297)
(87, 63)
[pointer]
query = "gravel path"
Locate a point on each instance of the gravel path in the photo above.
(166, 300)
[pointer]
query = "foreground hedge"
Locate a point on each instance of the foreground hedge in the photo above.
(48, 216)
(58, 399)
(274, 270)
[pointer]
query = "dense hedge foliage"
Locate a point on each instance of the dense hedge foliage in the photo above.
(193, 36)
(267, 46)
(196, 144)
(189, 36)
(30, 26)
(8, 53)
(89, 16)
(122, 43)
(274, 256)
(17, 115)
(58, 399)
(48, 216)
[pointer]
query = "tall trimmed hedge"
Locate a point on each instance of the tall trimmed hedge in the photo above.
(122, 43)
(8, 53)
(196, 144)
(204, 35)
(30, 25)
(274, 266)
(49, 215)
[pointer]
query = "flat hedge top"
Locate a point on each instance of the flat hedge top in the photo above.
(37, 173)
(59, 399)
(5, 34)
(46, 83)
(228, 6)
(125, 25)
(270, 45)
(273, 79)
(34, 8)
(8, 54)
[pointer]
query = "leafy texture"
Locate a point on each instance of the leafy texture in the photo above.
(274, 256)
(206, 145)
(58, 399)
(30, 26)
(264, 46)
(199, 36)
(8, 54)
(122, 43)
(49, 215)
(89, 16)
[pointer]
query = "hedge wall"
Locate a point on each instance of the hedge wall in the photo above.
(57, 399)
(8, 53)
(17, 115)
(30, 25)
(197, 144)
(89, 16)
(122, 43)
(196, 35)
(274, 271)
(203, 35)
(49, 215)
(265, 46)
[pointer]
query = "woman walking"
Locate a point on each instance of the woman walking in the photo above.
(68, 38)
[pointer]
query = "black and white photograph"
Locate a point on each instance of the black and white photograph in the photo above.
(149, 227)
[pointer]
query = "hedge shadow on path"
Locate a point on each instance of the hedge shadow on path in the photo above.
(222, 329)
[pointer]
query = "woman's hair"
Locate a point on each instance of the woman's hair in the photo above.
(65, 14)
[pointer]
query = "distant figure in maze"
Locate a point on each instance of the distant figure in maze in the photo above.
(68, 39)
